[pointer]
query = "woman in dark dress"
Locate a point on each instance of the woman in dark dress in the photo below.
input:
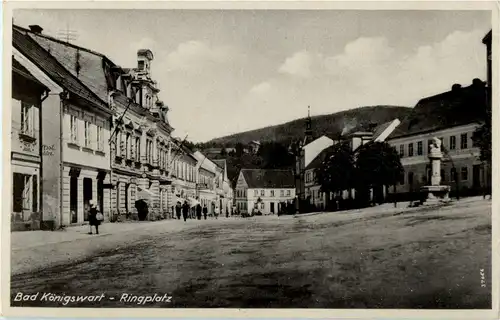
(93, 221)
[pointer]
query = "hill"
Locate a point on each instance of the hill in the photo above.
(330, 125)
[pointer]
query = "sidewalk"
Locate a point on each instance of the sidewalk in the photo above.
(32, 239)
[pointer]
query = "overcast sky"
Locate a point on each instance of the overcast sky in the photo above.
(223, 72)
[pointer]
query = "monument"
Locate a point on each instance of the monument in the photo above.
(436, 192)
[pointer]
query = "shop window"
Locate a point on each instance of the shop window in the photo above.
(25, 192)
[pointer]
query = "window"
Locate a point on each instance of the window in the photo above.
(272, 193)
(453, 174)
(88, 139)
(282, 193)
(100, 139)
(463, 141)
(25, 192)
(256, 193)
(27, 119)
(410, 150)
(402, 150)
(465, 173)
(262, 205)
(288, 193)
(137, 149)
(453, 142)
(128, 146)
(74, 128)
(262, 193)
(443, 175)
(419, 148)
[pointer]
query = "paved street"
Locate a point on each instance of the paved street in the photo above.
(372, 258)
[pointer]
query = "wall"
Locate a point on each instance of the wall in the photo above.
(75, 151)
(268, 198)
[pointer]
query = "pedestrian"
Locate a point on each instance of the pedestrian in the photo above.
(205, 211)
(178, 209)
(216, 212)
(198, 211)
(185, 210)
(227, 212)
(95, 217)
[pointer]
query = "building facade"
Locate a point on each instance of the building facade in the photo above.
(265, 190)
(75, 157)
(28, 94)
(452, 116)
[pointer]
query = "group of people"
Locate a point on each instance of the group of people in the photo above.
(184, 210)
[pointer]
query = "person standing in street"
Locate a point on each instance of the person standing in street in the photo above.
(178, 210)
(94, 217)
(205, 211)
(198, 211)
(185, 210)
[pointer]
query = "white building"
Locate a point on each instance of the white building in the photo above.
(265, 190)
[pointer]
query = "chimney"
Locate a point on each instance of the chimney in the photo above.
(478, 83)
(36, 28)
(456, 87)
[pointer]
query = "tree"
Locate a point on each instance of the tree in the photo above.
(239, 149)
(223, 151)
(378, 164)
(337, 173)
(275, 155)
(482, 137)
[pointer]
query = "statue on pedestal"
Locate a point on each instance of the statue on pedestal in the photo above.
(435, 192)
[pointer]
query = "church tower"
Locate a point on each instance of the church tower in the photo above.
(308, 134)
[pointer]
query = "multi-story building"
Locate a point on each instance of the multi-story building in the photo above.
(75, 128)
(184, 165)
(141, 143)
(265, 190)
(118, 147)
(451, 116)
(226, 197)
(28, 94)
(205, 186)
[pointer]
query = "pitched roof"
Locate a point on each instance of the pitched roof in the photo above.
(44, 60)
(316, 163)
(381, 128)
(268, 178)
(220, 163)
(487, 37)
(459, 106)
(21, 70)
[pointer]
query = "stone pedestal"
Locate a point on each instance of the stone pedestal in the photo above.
(436, 194)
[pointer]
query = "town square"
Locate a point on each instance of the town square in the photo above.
(212, 160)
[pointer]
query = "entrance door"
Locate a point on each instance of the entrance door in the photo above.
(73, 199)
(87, 196)
(476, 182)
(272, 207)
(100, 194)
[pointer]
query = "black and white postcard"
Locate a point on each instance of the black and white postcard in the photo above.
(250, 159)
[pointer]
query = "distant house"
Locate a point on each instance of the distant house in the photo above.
(452, 116)
(265, 190)
(254, 146)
